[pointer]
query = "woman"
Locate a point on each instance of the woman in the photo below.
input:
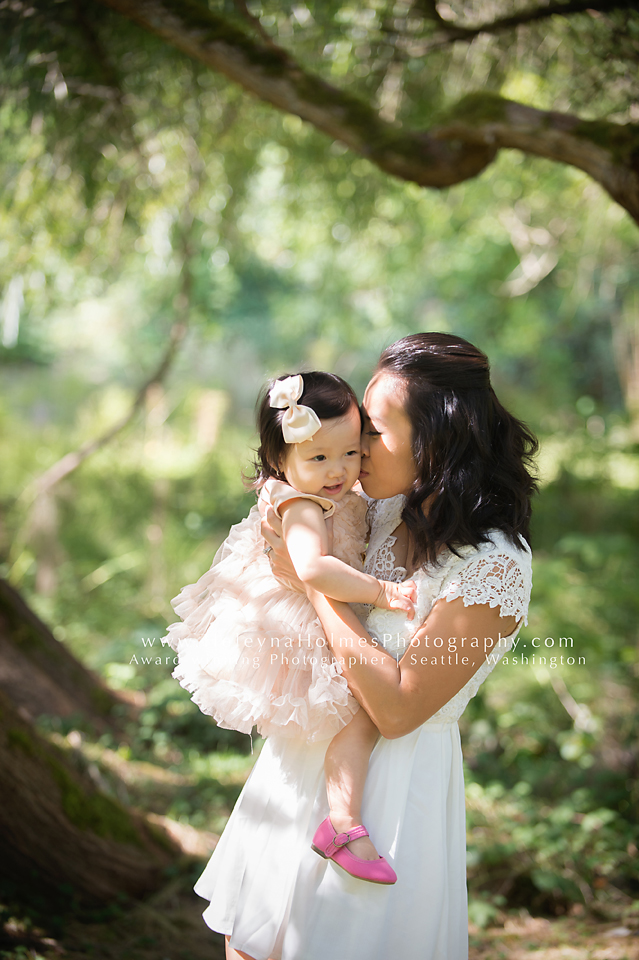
(446, 467)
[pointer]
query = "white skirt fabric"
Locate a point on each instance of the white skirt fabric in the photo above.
(278, 899)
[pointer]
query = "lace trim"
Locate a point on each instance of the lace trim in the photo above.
(384, 517)
(384, 563)
(498, 580)
(497, 573)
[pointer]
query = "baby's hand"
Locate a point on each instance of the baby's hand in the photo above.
(397, 596)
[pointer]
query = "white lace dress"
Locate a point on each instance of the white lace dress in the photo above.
(274, 896)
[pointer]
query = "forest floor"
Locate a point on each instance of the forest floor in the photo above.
(538, 938)
(169, 926)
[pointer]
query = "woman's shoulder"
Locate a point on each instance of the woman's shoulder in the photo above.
(501, 543)
(496, 543)
(497, 571)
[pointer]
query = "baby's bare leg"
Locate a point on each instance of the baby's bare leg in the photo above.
(346, 766)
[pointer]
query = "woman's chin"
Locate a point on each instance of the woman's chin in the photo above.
(376, 490)
(370, 488)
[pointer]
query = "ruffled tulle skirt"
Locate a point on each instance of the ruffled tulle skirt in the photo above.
(253, 653)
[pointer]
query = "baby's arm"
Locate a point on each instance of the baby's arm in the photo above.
(304, 532)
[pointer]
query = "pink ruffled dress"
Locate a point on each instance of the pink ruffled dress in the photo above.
(252, 652)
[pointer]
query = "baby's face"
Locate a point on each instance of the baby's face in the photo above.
(327, 465)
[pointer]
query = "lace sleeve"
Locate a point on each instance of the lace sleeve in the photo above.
(502, 578)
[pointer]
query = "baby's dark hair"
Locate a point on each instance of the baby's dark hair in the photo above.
(325, 393)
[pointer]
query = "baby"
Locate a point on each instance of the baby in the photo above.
(251, 650)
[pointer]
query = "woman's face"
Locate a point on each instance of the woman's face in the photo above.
(388, 467)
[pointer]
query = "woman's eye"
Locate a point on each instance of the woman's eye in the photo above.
(373, 433)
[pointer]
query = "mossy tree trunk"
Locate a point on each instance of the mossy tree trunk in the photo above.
(39, 674)
(58, 833)
(57, 830)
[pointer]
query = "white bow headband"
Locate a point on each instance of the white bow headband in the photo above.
(299, 423)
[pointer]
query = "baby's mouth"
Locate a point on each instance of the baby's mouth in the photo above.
(335, 488)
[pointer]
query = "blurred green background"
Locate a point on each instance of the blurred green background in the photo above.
(262, 248)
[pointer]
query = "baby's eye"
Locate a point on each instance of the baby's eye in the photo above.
(319, 457)
(353, 453)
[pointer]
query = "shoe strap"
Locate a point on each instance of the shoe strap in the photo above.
(341, 839)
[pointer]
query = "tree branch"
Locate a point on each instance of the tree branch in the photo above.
(272, 75)
(71, 461)
(458, 149)
(608, 152)
(450, 32)
(255, 23)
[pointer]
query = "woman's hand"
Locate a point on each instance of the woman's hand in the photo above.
(283, 569)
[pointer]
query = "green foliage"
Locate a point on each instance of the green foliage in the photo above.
(552, 802)
(547, 856)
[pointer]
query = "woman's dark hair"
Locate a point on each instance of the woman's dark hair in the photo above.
(472, 456)
(325, 393)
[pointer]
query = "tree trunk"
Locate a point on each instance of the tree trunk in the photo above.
(39, 674)
(625, 338)
(57, 832)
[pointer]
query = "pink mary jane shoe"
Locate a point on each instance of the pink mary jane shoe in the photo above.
(332, 846)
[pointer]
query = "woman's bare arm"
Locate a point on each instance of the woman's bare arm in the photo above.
(399, 697)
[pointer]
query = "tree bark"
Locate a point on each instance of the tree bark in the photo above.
(58, 832)
(608, 152)
(450, 153)
(37, 672)
(272, 75)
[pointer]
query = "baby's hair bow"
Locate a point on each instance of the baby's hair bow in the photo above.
(299, 423)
